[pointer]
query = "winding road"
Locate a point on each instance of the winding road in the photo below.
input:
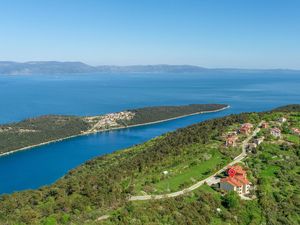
(209, 179)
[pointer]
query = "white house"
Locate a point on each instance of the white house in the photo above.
(276, 132)
(282, 119)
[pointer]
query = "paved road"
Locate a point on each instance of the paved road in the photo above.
(207, 180)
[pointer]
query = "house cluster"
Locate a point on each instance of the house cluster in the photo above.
(112, 119)
(5, 129)
(232, 137)
(236, 180)
(108, 120)
(126, 115)
(276, 132)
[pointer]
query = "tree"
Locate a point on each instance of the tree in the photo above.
(230, 200)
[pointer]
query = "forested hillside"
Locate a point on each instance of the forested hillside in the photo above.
(38, 130)
(102, 186)
(152, 114)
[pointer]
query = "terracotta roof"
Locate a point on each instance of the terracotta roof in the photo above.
(238, 169)
(231, 181)
(242, 179)
(247, 125)
(239, 179)
(296, 130)
(232, 138)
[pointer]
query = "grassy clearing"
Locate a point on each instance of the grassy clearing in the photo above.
(191, 174)
(292, 138)
(269, 172)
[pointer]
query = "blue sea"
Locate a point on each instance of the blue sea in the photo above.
(92, 94)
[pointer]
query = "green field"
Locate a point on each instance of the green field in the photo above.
(196, 162)
(269, 172)
(292, 138)
(191, 174)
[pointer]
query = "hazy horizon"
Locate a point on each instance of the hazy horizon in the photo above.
(160, 64)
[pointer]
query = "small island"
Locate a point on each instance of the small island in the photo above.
(50, 128)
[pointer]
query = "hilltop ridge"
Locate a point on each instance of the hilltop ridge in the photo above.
(56, 67)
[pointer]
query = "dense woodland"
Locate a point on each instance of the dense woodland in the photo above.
(38, 130)
(152, 114)
(288, 108)
(102, 185)
(52, 127)
(203, 206)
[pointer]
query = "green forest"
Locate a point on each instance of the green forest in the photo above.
(155, 113)
(103, 185)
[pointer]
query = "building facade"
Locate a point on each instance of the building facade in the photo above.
(276, 132)
(236, 180)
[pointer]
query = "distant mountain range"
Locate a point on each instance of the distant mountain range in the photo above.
(54, 67)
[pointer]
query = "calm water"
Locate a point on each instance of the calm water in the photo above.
(90, 94)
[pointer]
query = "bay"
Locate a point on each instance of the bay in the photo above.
(92, 94)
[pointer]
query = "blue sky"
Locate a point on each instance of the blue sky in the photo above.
(210, 33)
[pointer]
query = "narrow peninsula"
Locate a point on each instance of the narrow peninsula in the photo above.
(50, 128)
(239, 169)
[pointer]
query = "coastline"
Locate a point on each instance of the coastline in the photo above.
(104, 130)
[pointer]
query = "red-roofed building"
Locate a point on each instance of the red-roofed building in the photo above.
(296, 131)
(246, 128)
(236, 180)
(231, 140)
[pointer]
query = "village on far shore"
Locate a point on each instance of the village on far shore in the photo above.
(110, 120)
(46, 129)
